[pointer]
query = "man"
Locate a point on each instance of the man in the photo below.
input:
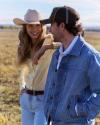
(72, 92)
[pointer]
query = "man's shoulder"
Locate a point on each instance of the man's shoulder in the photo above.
(88, 48)
(56, 52)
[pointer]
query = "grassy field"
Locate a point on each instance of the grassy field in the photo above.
(9, 86)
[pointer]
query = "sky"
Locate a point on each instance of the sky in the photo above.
(89, 10)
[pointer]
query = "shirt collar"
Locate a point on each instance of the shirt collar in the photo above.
(67, 50)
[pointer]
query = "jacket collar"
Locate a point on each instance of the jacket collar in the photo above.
(76, 50)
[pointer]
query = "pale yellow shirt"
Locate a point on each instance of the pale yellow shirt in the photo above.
(34, 77)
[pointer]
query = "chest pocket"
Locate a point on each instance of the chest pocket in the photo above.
(73, 77)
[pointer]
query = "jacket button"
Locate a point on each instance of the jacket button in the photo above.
(55, 70)
(54, 84)
(68, 106)
(51, 97)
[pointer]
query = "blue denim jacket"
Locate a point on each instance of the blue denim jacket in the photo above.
(76, 82)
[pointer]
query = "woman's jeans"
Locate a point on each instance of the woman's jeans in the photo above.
(32, 109)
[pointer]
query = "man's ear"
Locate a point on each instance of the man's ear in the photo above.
(62, 26)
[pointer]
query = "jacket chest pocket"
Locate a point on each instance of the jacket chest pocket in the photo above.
(76, 79)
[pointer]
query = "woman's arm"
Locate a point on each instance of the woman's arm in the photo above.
(48, 44)
(40, 53)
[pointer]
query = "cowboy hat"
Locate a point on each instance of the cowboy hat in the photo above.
(31, 17)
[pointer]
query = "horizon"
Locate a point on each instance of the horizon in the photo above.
(86, 27)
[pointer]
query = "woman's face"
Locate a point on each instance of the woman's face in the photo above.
(34, 31)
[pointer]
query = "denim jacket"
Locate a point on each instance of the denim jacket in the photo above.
(76, 82)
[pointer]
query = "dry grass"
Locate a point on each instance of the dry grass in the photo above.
(93, 38)
(9, 86)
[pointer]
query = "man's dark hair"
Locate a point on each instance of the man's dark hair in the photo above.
(68, 16)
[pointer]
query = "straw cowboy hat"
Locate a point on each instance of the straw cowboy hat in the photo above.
(31, 17)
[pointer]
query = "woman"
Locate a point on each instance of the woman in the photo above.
(34, 53)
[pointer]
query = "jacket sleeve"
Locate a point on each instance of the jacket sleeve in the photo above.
(91, 108)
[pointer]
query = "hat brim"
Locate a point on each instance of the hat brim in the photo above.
(18, 21)
(45, 21)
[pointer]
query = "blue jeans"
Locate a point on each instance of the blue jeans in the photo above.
(32, 109)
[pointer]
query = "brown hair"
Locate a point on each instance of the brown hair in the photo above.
(70, 17)
(25, 44)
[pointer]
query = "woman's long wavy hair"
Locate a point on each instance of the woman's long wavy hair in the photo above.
(26, 47)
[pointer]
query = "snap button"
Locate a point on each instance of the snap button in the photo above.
(51, 97)
(68, 106)
(55, 70)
